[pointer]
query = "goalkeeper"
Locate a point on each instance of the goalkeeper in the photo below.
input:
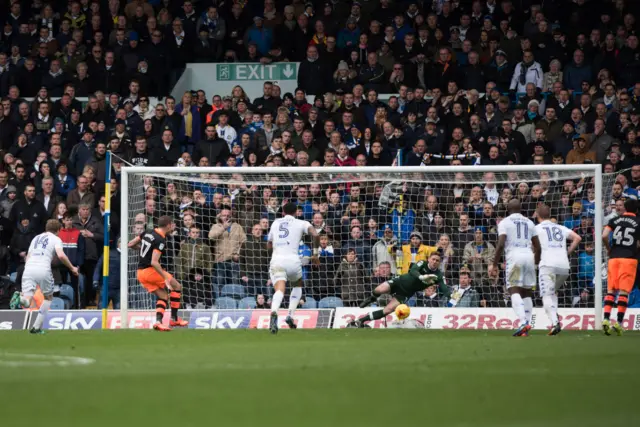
(420, 276)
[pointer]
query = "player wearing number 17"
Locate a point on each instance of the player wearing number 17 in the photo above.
(37, 271)
(152, 276)
(623, 263)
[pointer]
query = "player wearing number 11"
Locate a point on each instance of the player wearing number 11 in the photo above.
(623, 263)
(152, 276)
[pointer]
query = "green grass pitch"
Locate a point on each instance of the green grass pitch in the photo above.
(325, 378)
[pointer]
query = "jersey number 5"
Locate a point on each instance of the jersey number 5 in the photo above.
(284, 231)
(144, 248)
(623, 239)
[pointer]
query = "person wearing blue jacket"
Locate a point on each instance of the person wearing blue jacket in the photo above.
(261, 36)
(189, 132)
(577, 72)
(349, 35)
(114, 276)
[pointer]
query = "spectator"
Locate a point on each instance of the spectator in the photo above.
(113, 293)
(464, 295)
(527, 71)
(350, 279)
(313, 73)
(194, 269)
(31, 209)
(228, 237)
(91, 229)
(414, 252)
(254, 259)
(478, 255)
(577, 72)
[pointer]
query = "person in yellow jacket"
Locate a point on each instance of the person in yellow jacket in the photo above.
(415, 251)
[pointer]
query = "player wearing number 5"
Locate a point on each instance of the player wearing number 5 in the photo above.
(37, 271)
(285, 236)
(624, 231)
(152, 276)
(554, 262)
(517, 238)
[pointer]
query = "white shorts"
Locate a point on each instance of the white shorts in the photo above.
(285, 269)
(521, 273)
(551, 279)
(33, 278)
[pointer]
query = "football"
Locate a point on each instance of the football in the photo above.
(402, 311)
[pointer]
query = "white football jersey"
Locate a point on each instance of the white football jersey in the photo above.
(285, 235)
(519, 231)
(553, 241)
(41, 251)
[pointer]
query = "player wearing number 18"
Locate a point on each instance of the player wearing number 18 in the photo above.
(152, 276)
(623, 263)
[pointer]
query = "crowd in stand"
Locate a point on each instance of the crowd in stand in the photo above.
(491, 82)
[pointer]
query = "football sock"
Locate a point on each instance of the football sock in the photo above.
(528, 308)
(161, 306)
(551, 308)
(174, 300)
(44, 309)
(609, 300)
(623, 301)
(294, 300)
(378, 314)
(276, 301)
(518, 306)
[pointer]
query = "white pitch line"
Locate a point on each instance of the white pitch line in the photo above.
(17, 360)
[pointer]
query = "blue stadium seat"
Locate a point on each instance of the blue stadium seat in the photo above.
(67, 295)
(232, 291)
(226, 303)
(57, 304)
(13, 276)
(330, 302)
(310, 303)
(247, 303)
(412, 301)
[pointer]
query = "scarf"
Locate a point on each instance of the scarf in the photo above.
(56, 74)
(524, 67)
(188, 123)
(457, 296)
(211, 24)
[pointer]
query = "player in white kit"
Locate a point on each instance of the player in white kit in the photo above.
(285, 236)
(554, 266)
(518, 240)
(37, 271)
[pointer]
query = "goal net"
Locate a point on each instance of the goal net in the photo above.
(374, 224)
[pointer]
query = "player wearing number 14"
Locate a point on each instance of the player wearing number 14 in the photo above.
(152, 276)
(624, 231)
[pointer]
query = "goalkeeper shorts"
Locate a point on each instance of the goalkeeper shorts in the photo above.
(402, 288)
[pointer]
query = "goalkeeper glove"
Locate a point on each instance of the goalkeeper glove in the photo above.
(428, 279)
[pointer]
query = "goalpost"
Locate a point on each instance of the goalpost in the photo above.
(369, 216)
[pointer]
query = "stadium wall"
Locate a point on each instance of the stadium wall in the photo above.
(432, 318)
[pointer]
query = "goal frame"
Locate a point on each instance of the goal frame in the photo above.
(594, 169)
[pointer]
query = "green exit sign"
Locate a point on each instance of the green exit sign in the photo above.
(279, 71)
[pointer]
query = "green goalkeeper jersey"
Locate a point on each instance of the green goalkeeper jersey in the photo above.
(405, 286)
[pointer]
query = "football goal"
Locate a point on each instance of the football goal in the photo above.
(374, 223)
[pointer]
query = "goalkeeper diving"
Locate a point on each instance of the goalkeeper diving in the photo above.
(421, 275)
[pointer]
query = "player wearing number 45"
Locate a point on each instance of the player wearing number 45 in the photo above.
(421, 275)
(285, 236)
(624, 232)
(37, 271)
(517, 238)
(554, 266)
(152, 276)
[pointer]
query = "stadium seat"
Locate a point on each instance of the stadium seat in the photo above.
(247, 303)
(232, 291)
(67, 295)
(57, 304)
(226, 303)
(310, 303)
(330, 302)
(412, 301)
(13, 276)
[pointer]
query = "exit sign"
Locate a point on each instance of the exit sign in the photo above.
(279, 71)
